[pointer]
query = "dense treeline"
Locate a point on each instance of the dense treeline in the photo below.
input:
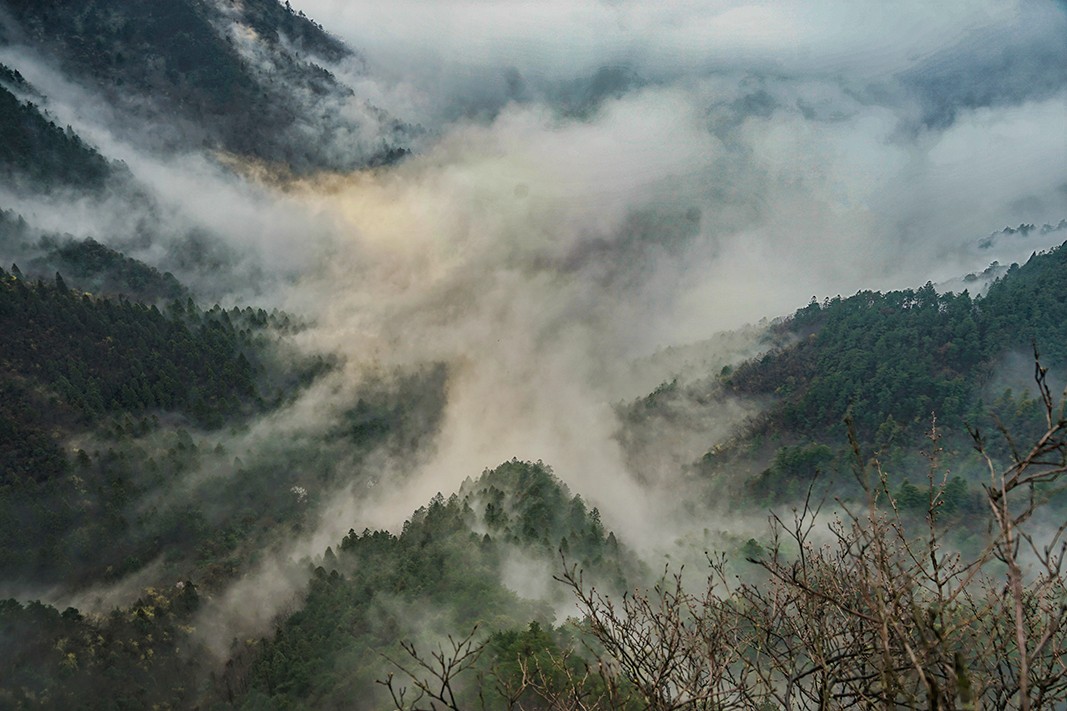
(899, 355)
(891, 360)
(28, 450)
(526, 505)
(94, 393)
(102, 355)
(894, 366)
(138, 657)
(97, 268)
(69, 363)
(87, 265)
(1029, 305)
(79, 367)
(274, 21)
(34, 148)
(98, 397)
(193, 504)
(444, 572)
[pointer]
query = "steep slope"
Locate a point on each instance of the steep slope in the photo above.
(888, 362)
(38, 154)
(446, 571)
(900, 356)
(891, 363)
(241, 77)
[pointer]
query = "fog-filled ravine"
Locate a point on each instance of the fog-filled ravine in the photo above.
(484, 354)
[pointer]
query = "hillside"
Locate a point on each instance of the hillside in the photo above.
(892, 364)
(452, 560)
(240, 77)
(446, 564)
(288, 321)
(36, 150)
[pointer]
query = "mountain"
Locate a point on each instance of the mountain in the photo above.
(240, 77)
(217, 459)
(35, 149)
(449, 567)
(444, 569)
(446, 564)
(890, 365)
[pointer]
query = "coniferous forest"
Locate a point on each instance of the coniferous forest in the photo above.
(559, 356)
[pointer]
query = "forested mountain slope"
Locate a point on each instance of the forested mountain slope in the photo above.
(907, 354)
(449, 566)
(893, 365)
(209, 505)
(36, 150)
(446, 569)
(239, 76)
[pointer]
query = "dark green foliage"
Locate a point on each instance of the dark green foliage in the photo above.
(133, 658)
(407, 407)
(437, 576)
(100, 355)
(791, 473)
(1029, 305)
(904, 354)
(35, 149)
(67, 361)
(94, 267)
(273, 19)
(890, 364)
(178, 57)
(956, 499)
(11, 77)
(546, 652)
(140, 44)
(28, 449)
(527, 505)
(115, 370)
(433, 576)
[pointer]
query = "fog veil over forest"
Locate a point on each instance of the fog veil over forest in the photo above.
(335, 331)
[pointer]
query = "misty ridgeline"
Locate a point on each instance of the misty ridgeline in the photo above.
(433, 356)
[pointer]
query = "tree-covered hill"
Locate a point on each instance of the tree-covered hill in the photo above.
(443, 572)
(899, 355)
(94, 267)
(139, 657)
(87, 265)
(893, 364)
(69, 364)
(890, 360)
(36, 151)
(111, 429)
(80, 470)
(107, 355)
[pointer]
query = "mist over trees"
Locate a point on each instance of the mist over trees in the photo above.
(181, 59)
(279, 279)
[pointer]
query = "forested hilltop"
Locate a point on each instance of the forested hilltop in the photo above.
(890, 367)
